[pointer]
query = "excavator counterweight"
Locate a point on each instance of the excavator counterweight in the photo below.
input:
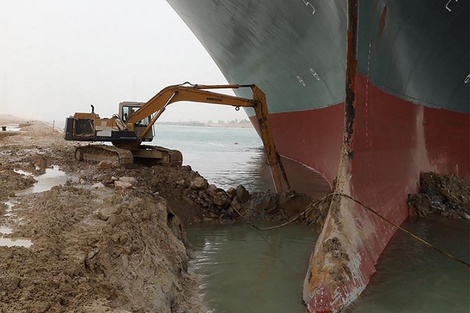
(134, 125)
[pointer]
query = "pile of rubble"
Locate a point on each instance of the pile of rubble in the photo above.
(439, 194)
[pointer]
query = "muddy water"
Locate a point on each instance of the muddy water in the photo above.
(242, 272)
(411, 277)
(242, 269)
(52, 177)
(9, 242)
(15, 242)
(228, 157)
(245, 270)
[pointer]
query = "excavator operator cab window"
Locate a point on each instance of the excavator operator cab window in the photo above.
(128, 110)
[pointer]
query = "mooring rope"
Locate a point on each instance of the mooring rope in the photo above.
(310, 207)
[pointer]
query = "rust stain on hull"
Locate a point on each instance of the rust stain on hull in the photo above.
(331, 268)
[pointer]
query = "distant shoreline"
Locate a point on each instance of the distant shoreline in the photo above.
(202, 124)
(7, 119)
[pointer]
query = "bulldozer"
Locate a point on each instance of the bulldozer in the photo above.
(133, 126)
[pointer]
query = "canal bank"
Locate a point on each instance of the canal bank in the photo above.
(105, 238)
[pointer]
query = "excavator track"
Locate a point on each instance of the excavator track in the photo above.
(176, 157)
(153, 155)
(144, 155)
(98, 153)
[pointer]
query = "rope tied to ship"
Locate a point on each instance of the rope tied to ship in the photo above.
(312, 206)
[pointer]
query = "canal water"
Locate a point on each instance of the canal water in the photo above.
(245, 270)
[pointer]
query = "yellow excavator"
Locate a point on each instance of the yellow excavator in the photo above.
(135, 123)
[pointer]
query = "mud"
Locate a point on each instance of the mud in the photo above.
(442, 195)
(111, 239)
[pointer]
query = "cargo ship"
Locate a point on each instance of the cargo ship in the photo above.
(367, 93)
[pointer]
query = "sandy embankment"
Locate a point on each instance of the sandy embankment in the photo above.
(101, 249)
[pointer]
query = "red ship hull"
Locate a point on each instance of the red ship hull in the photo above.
(394, 141)
(367, 93)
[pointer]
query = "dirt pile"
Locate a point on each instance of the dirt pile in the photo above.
(94, 249)
(443, 195)
(111, 239)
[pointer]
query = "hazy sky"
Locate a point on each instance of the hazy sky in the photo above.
(59, 56)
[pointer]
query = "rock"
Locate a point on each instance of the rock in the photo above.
(127, 179)
(98, 186)
(104, 214)
(220, 199)
(440, 194)
(212, 189)
(108, 182)
(122, 185)
(198, 183)
(419, 205)
(242, 194)
(188, 200)
(266, 202)
(232, 192)
(105, 164)
(181, 183)
(236, 205)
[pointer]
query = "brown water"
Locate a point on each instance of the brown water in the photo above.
(52, 177)
(246, 270)
(243, 270)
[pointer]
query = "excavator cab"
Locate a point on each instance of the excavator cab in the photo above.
(127, 108)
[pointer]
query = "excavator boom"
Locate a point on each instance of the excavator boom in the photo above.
(200, 93)
(194, 93)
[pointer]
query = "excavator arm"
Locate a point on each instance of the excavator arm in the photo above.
(199, 93)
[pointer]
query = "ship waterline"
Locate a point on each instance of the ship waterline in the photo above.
(409, 113)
